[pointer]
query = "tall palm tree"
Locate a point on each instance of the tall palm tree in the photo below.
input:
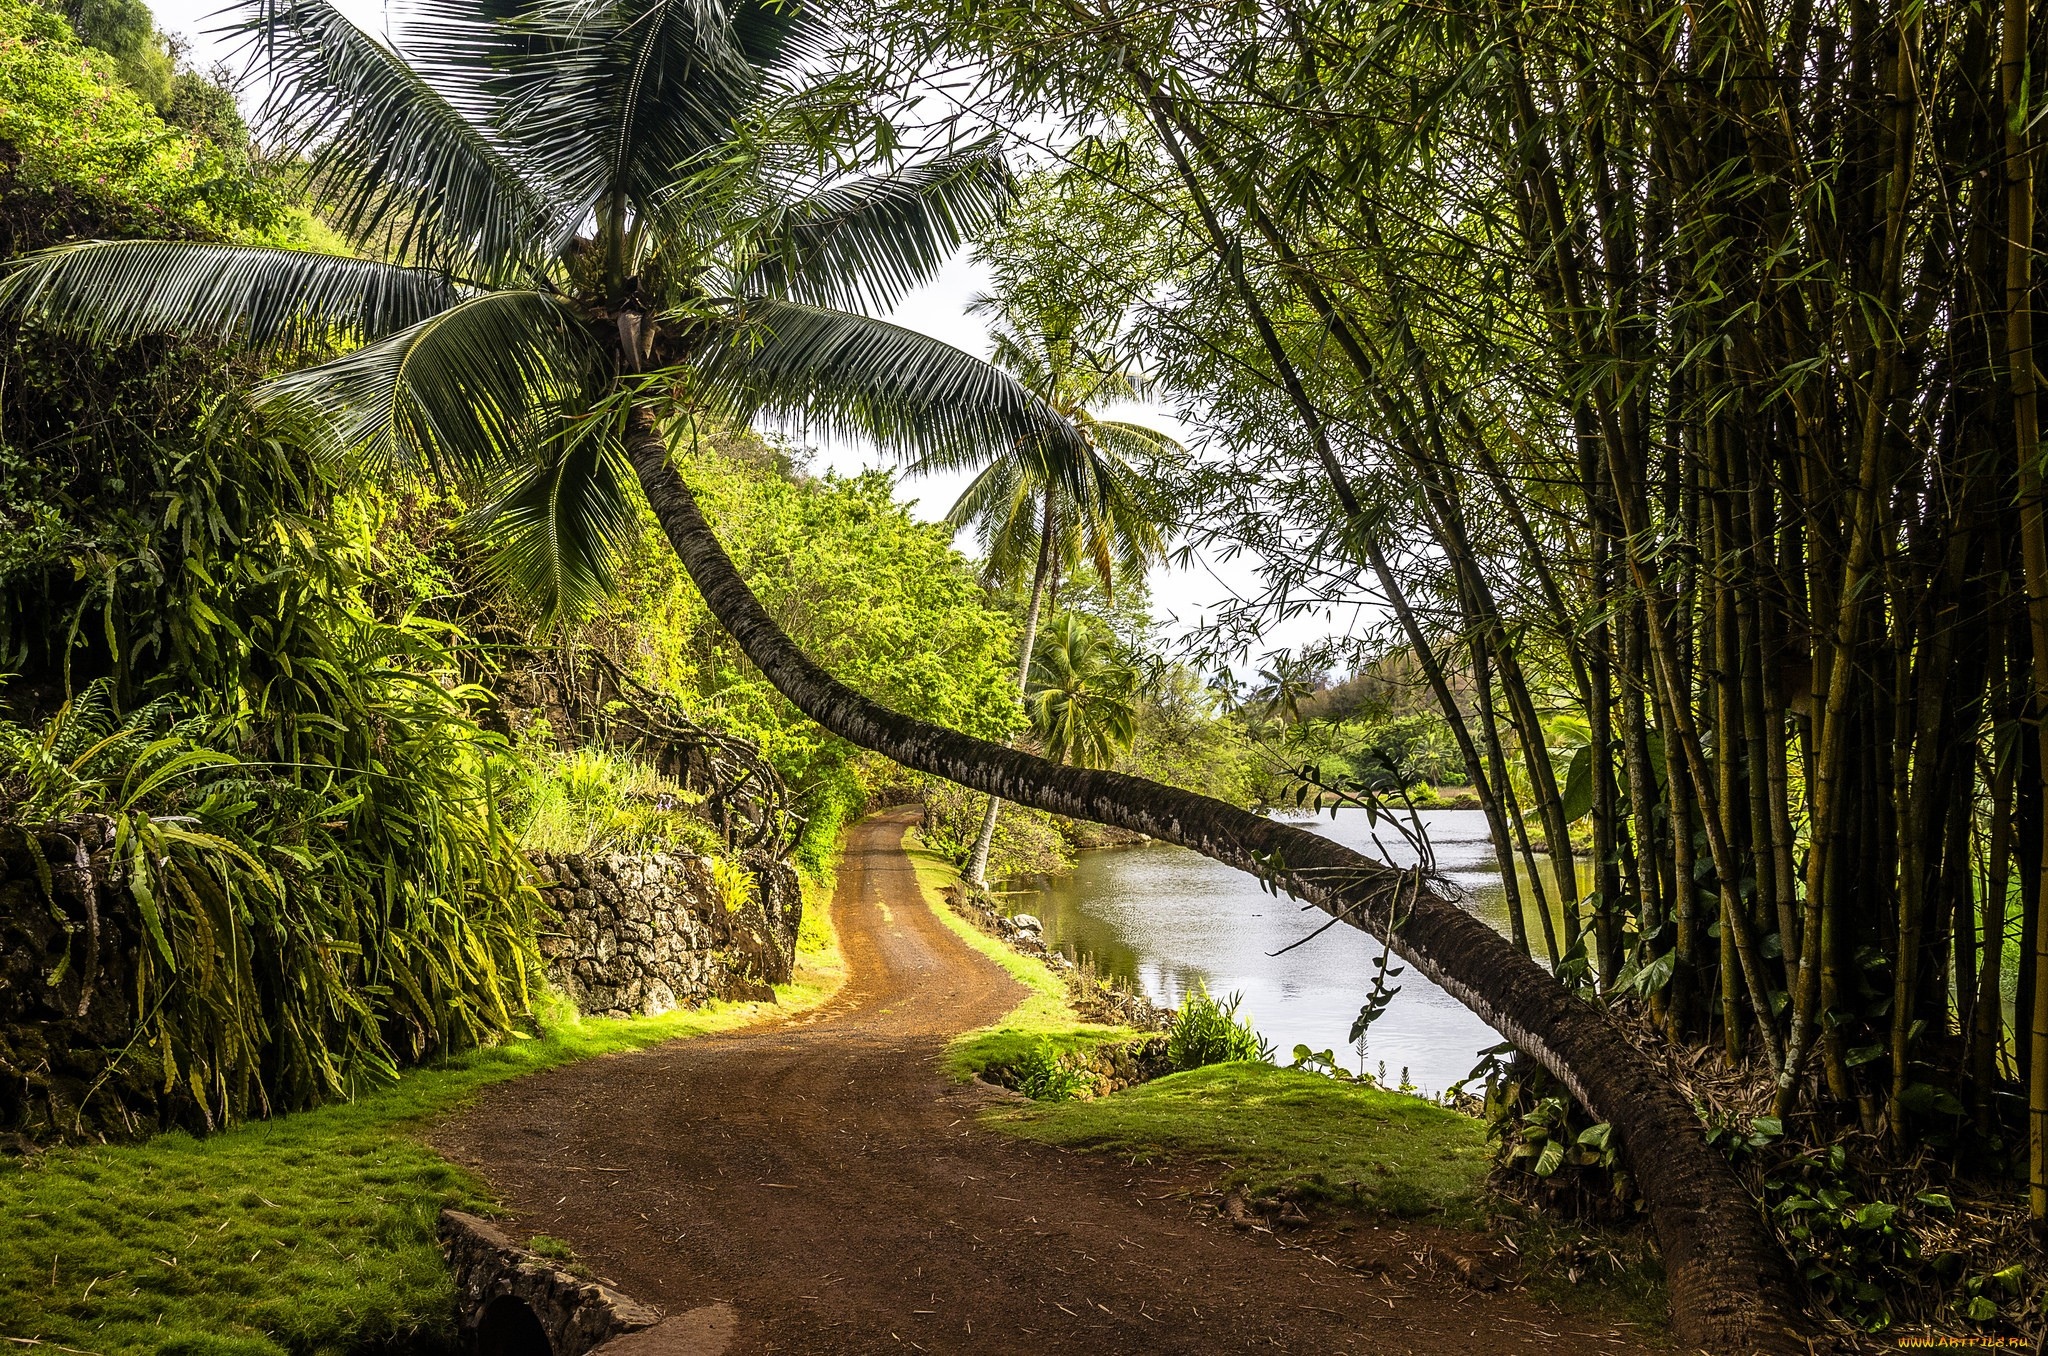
(1083, 696)
(1085, 505)
(595, 222)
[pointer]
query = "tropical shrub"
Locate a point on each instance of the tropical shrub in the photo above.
(1045, 1074)
(312, 922)
(1206, 1031)
(596, 800)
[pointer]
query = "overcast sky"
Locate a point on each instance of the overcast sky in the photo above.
(1180, 595)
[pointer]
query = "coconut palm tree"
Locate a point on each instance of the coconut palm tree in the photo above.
(589, 220)
(1083, 696)
(1048, 515)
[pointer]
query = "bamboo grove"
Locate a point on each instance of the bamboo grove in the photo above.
(1667, 367)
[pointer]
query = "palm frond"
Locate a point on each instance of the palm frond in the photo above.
(865, 243)
(992, 496)
(1003, 506)
(110, 290)
(481, 384)
(1024, 361)
(1124, 527)
(611, 99)
(558, 523)
(850, 375)
(391, 158)
(1134, 443)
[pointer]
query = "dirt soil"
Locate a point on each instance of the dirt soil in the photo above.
(817, 1184)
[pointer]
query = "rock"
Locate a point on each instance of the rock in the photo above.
(634, 935)
(499, 1285)
(1028, 922)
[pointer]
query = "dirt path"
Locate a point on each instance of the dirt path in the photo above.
(817, 1185)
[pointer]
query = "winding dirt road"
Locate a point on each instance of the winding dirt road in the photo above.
(817, 1185)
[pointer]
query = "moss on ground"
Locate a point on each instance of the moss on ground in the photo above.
(311, 1233)
(1273, 1130)
(1044, 1020)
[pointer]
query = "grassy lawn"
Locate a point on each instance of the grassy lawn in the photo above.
(1275, 1129)
(309, 1233)
(1045, 1017)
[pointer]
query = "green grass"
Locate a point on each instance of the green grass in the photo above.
(1044, 1018)
(1274, 1130)
(310, 1233)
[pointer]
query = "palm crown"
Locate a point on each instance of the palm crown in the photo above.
(580, 206)
(1086, 503)
(1083, 696)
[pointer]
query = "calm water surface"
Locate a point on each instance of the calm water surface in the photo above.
(1168, 919)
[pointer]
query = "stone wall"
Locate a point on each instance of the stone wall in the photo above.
(620, 935)
(501, 1287)
(67, 964)
(638, 935)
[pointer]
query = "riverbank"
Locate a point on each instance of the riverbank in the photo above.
(1167, 921)
(1378, 1182)
(312, 1232)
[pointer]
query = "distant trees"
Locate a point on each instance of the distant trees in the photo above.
(1042, 513)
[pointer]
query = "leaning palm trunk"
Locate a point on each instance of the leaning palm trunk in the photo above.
(1728, 1282)
(977, 861)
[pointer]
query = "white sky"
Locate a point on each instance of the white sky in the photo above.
(1180, 595)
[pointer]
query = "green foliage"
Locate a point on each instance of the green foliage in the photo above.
(1281, 1130)
(1081, 695)
(313, 919)
(547, 1245)
(126, 31)
(1185, 737)
(1407, 750)
(1045, 1074)
(1878, 1245)
(1563, 1158)
(595, 800)
(1206, 1031)
(87, 147)
(879, 599)
(1027, 842)
(830, 805)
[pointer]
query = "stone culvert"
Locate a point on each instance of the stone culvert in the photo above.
(631, 935)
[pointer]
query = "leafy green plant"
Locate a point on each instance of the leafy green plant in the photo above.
(1206, 1031)
(1548, 1148)
(1044, 1074)
(311, 921)
(1322, 1062)
(597, 800)
(736, 884)
(1858, 1251)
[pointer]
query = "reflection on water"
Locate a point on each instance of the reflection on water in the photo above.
(1167, 919)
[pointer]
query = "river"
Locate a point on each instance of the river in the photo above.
(1167, 919)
